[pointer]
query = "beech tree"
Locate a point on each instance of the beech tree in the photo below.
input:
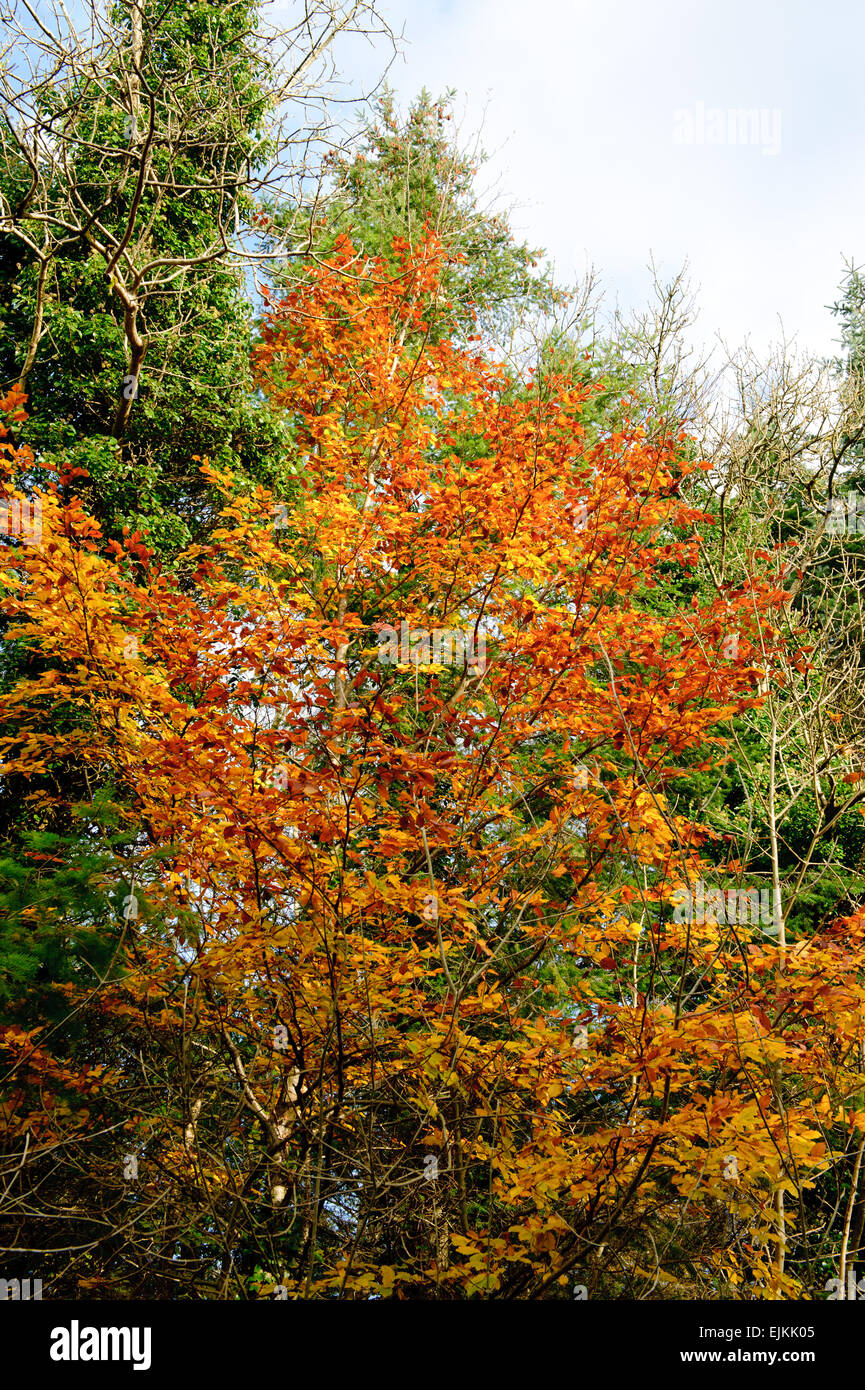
(410, 1000)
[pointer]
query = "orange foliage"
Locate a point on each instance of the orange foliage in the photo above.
(413, 906)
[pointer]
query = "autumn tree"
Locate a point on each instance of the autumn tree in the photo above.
(410, 999)
(134, 142)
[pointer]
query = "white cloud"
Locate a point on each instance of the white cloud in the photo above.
(578, 101)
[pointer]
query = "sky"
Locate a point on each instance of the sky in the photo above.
(610, 128)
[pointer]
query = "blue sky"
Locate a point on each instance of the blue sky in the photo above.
(580, 103)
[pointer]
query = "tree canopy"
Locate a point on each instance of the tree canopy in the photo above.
(432, 774)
